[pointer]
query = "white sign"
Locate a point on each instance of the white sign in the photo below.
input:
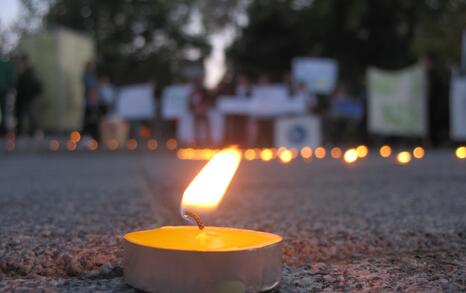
(397, 102)
(271, 93)
(298, 132)
(175, 101)
(319, 74)
(136, 102)
(458, 108)
(261, 107)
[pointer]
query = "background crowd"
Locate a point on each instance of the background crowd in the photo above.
(159, 41)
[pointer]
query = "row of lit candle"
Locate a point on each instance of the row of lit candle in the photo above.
(285, 155)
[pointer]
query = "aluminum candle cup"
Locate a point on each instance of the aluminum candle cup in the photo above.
(215, 259)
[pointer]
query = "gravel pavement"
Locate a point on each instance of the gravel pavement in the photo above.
(369, 227)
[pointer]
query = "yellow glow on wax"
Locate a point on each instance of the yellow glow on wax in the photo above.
(209, 186)
(209, 239)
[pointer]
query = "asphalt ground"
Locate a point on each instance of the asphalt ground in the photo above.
(371, 226)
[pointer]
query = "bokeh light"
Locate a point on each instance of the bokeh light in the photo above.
(320, 152)
(132, 144)
(92, 145)
(75, 136)
(336, 152)
(113, 145)
(362, 151)
(461, 152)
(306, 152)
(71, 146)
(418, 152)
(285, 156)
(350, 156)
(54, 145)
(171, 144)
(250, 154)
(403, 157)
(152, 144)
(385, 151)
(144, 132)
(10, 145)
(266, 155)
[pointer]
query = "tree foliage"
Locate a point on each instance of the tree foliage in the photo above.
(136, 40)
(358, 33)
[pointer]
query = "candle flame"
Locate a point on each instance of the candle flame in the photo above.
(208, 187)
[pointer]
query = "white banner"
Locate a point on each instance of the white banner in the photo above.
(319, 74)
(297, 132)
(175, 101)
(458, 108)
(397, 102)
(260, 108)
(136, 102)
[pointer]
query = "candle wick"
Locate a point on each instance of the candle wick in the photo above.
(196, 219)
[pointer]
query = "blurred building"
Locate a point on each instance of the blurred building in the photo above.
(58, 57)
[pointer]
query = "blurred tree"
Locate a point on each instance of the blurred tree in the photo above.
(358, 33)
(136, 40)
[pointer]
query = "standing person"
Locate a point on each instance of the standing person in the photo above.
(199, 103)
(253, 122)
(91, 97)
(303, 93)
(7, 84)
(28, 88)
(106, 96)
(243, 86)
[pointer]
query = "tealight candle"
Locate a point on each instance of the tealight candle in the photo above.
(204, 258)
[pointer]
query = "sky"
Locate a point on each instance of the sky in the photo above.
(9, 10)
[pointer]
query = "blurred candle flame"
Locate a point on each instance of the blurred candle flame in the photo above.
(306, 152)
(351, 156)
(418, 152)
(461, 152)
(335, 152)
(285, 155)
(385, 151)
(250, 154)
(320, 152)
(208, 187)
(362, 151)
(403, 157)
(266, 155)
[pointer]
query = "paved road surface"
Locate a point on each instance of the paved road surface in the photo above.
(366, 227)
